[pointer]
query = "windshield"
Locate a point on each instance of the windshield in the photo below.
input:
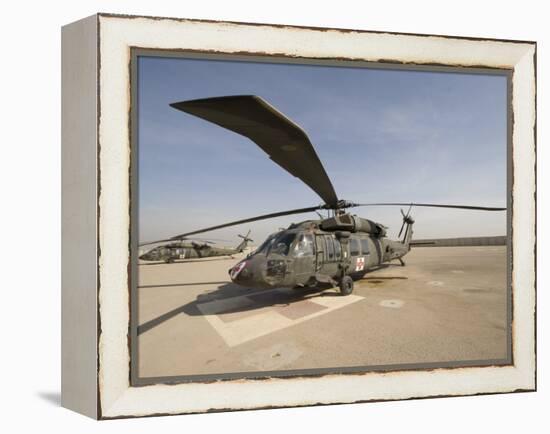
(282, 243)
(264, 247)
(277, 243)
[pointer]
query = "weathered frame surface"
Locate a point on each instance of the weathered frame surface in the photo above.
(79, 321)
(135, 54)
(114, 397)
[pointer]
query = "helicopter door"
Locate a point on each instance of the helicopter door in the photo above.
(304, 258)
(321, 252)
(328, 254)
(378, 251)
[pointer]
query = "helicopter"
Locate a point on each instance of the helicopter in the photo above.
(179, 249)
(337, 249)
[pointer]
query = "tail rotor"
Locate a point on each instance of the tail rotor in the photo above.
(245, 237)
(244, 243)
(407, 223)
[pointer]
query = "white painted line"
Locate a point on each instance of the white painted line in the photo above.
(252, 327)
(336, 302)
(264, 322)
(217, 306)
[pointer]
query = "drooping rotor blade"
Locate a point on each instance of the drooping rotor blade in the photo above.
(207, 239)
(147, 243)
(280, 138)
(248, 220)
(167, 240)
(434, 205)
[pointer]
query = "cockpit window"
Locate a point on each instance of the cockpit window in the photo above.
(304, 245)
(276, 243)
(281, 244)
(264, 247)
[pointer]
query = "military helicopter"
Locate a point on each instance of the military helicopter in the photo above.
(193, 249)
(337, 249)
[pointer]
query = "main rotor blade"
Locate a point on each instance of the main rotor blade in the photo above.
(280, 138)
(209, 240)
(147, 243)
(434, 205)
(249, 220)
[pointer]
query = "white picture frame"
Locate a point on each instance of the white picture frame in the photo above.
(96, 354)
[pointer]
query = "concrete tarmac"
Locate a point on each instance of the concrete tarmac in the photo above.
(448, 304)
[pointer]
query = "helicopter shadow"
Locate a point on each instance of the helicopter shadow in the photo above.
(234, 299)
(243, 300)
(170, 285)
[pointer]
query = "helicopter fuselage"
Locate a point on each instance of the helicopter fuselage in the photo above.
(305, 254)
(180, 250)
(173, 252)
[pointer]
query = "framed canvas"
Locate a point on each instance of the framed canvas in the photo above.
(200, 276)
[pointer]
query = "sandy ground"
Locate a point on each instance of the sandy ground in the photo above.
(448, 304)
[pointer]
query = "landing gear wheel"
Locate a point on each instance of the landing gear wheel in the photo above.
(346, 285)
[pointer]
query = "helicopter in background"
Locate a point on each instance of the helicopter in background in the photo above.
(335, 250)
(193, 249)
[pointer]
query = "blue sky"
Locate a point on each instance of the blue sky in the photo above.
(382, 135)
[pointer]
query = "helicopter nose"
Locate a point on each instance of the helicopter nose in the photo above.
(258, 272)
(249, 271)
(238, 272)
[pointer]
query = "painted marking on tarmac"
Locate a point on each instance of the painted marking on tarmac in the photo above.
(265, 319)
(436, 283)
(396, 304)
